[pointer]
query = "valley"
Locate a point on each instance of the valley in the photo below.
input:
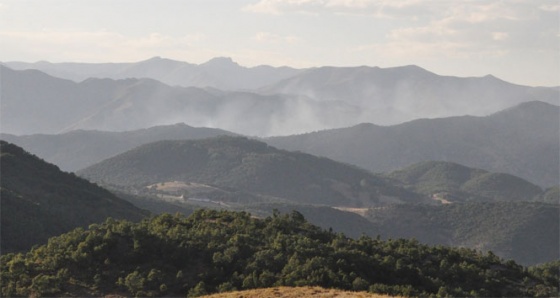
(394, 181)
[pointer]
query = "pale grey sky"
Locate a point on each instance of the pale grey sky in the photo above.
(516, 40)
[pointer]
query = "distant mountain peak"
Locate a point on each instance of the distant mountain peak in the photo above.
(220, 61)
(413, 67)
(536, 107)
(365, 125)
(158, 59)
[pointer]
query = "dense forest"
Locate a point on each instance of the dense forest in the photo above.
(218, 251)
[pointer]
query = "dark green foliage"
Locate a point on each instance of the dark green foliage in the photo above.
(213, 251)
(550, 274)
(39, 201)
(457, 183)
(247, 165)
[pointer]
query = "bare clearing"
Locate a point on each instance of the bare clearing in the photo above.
(290, 292)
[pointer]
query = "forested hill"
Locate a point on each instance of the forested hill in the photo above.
(248, 165)
(40, 201)
(450, 182)
(216, 251)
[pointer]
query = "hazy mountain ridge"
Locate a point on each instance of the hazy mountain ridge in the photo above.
(78, 149)
(523, 141)
(40, 201)
(394, 95)
(294, 101)
(221, 73)
(55, 105)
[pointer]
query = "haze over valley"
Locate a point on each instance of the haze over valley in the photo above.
(288, 101)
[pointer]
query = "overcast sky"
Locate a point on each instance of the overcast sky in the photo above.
(516, 40)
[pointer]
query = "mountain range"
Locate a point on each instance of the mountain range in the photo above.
(286, 101)
(220, 73)
(395, 152)
(388, 96)
(523, 140)
(54, 105)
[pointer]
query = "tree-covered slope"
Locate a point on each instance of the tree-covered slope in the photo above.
(248, 165)
(523, 140)
(78, 149)
(451, 182)
(526, 232)
(213, 251)
(40, 201)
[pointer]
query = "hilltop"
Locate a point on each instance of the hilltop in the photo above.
(450, 182)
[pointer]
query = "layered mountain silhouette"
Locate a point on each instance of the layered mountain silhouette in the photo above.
(40, 201)
(522, 141)
(221, 73)
(52, 105)
(279, 101)
(394, 95)
(248, 165)
(78, 149)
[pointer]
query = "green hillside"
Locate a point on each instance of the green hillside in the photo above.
(213, 251)
(39, 201)
(248, 165)
(451, 182)
(523, 231)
